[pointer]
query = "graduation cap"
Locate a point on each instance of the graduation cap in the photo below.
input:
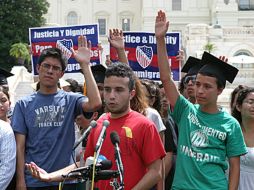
(215, 67)
(3, 76)
(99, 72)
(192, 66)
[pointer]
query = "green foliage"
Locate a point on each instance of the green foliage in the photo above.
(20, 51)
(17, 16)
(209, 47)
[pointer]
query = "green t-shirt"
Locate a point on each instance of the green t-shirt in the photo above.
(205, 141)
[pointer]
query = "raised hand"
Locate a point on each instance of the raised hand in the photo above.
(116, 38)
(38, 172)
(223, 58)
(82, 55)
(161, 24)
(180, 56)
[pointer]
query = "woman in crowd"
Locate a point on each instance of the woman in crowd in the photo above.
(141, 103)
(234, 96)
(5, 105)
(152, 92)
(244, 113)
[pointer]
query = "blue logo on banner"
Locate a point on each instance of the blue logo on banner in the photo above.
(65, 46)
(144, 55)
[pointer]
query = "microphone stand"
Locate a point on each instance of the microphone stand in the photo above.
(121, 186)
(97, 153)
(99, 148)
(115, 184)
(100, 140)
(115, 141)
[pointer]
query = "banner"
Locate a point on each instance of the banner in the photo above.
(141, 51)
(63, 38)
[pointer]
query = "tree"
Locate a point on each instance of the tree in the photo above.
(209, 47)
(17, 16)
(21, 52)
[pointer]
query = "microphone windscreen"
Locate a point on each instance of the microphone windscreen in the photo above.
(114, 137)
(105, 123)
(93, 123)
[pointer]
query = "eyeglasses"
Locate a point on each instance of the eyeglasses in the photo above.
(47, 67)
(191, 78)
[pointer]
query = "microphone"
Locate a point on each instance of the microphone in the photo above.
(106, 174)
(115, 141)
(85, 134)
(103, 165)
(102, 136)
(99, 175)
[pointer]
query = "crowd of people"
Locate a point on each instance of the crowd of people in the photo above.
(170, 137)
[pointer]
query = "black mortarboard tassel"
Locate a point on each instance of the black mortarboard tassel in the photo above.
(3, 76)
(192, 66)
(98, 73)
(218, 68)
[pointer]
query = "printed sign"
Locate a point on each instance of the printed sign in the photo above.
(63, 38)
(141, 51)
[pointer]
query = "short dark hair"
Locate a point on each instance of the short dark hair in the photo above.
(181, 85)
(120, 69)
(55, 53)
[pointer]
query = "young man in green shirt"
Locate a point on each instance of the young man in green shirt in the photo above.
(208, 136)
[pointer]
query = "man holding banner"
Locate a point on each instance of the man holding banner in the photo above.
(44, 121)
